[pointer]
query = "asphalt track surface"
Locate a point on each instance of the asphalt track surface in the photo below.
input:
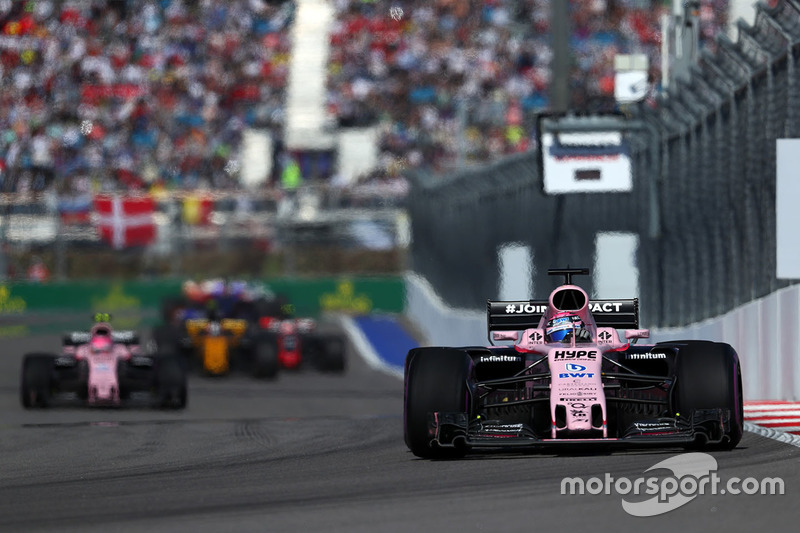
(313, 452)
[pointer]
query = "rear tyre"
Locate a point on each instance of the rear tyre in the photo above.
(330, 354)
(708, 376)
(436, 379)
(171, 388)
(265, 359)
(36, 380)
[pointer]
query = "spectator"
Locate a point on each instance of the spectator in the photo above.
(38, 271)
(138, 92)
(456, 81)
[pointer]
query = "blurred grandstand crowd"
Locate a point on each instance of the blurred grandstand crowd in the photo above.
(485, 60)
(134, 94)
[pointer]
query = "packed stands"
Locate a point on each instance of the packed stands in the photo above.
(133, 94)
(427, 67)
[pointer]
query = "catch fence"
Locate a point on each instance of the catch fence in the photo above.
(702, 203)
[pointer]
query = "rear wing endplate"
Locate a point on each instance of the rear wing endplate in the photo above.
(519, 315)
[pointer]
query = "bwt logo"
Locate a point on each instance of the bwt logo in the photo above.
(576, 354)
(575, 371)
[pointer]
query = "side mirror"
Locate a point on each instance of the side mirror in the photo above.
(505, 335)
(637, 334)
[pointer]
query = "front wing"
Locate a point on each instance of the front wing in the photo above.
(454, 429)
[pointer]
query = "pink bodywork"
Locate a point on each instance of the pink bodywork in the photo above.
(103, 382)
(576, 375)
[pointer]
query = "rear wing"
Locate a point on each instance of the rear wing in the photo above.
(519, 315)
(77, 338)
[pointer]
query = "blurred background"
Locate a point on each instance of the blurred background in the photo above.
(172, 139)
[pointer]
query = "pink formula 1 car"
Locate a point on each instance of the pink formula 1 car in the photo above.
(569, 379)
(102, 367)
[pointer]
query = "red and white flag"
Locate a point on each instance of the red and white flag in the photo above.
(125, 221)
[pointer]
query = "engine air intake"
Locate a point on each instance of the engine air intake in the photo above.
(569, 300)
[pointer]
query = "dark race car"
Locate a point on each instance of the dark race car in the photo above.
(300, 344)
(569, 379)
(102, 367)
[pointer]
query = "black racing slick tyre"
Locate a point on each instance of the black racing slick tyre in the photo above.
(708, 376)
(436, 380)
(330, 356)
(265, 359)
(171, 383)
(36, 380)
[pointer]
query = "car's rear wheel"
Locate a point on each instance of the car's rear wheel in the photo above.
(265, 358)
(436, 380)
(708, 376)
(171, 386)
(36, 380)
(327, 352)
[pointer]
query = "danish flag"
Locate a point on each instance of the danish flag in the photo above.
(125, 221)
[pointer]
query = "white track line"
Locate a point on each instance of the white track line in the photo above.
(364, 347)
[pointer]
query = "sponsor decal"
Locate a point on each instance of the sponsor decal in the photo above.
(525, 309)
(606, 307)
(535, 336)
(586, 399)
(648, 355)
(499, 359)
(594, 307)
(604, 336)
(79, 337)
(576, 354)
(501, 428)
(652, 426)
(576, 375)
(64, 361)
(345, 299)
(577, 413)
(572, 367)
(11, 304)
(123, 336)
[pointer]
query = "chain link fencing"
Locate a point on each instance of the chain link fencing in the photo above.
(702, 204)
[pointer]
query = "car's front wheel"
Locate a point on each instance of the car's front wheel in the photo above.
(436, 380)
(708, 376)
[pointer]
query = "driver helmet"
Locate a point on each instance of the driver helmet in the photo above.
(561, 326)
(101, 343)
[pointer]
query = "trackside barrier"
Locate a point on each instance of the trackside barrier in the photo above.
(440, 324)
(356, 296)
(765, 333)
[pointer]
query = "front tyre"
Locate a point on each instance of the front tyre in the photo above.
(436, 380)
(708, 376)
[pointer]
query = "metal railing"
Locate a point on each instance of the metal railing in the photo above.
(266, 232)
(703, 201)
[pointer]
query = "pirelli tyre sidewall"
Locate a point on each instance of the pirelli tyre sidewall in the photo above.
(36, 380)
(436, 379)
(708, 376)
